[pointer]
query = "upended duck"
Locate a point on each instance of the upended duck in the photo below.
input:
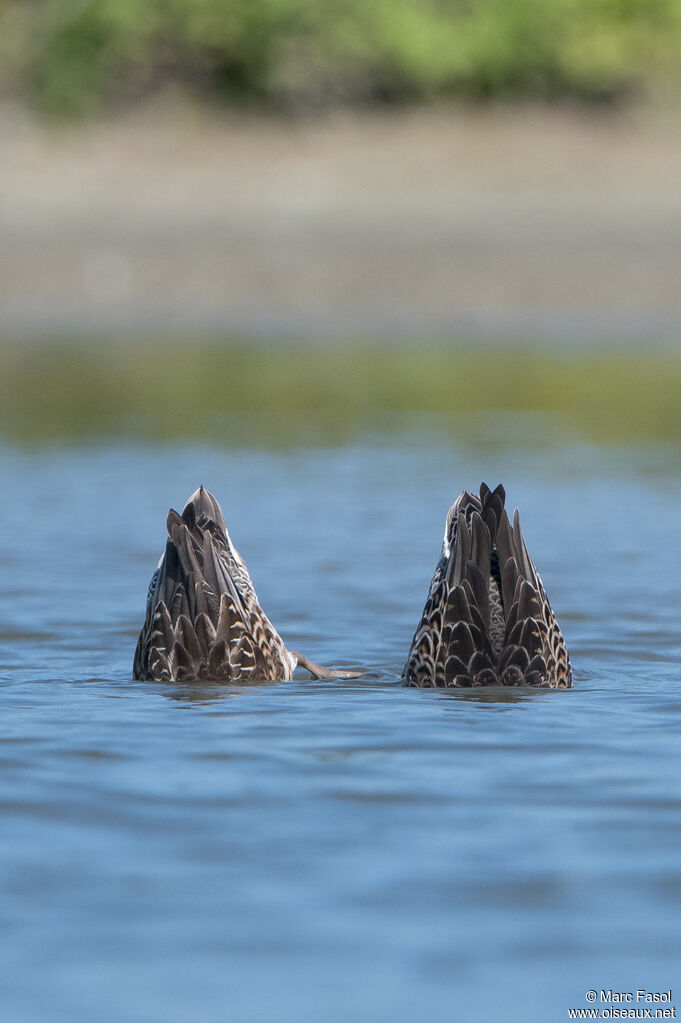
(203, 617)
(487, 620)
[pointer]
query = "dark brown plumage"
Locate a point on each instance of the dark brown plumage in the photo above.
(203, 618)
(487, 620)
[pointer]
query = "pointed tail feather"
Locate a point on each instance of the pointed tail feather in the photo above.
(203, 616)
(487, 619)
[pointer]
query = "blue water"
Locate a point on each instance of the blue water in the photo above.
(335, 851)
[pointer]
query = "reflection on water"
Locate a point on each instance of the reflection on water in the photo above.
(346, 849)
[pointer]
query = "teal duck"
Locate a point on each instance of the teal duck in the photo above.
(487, 620)
(203, 617)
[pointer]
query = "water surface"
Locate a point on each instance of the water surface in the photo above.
(335, 850)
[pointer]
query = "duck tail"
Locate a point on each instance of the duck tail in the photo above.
(203, 618)
(487, 620)
(534, 651)
(202, 505)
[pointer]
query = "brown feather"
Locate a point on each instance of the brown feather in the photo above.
(487, 618)
(203, 616)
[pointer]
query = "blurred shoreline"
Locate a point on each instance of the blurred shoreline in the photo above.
(309, 393)
(480, 223)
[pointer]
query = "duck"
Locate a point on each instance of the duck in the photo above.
(487, 620)
(203, 617)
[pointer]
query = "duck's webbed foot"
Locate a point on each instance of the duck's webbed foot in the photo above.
(319, 671)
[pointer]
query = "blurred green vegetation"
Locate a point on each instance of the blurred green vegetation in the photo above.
(75, 57)
(301, 394)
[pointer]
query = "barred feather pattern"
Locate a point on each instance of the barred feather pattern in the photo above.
(487, 620)
(203, 618)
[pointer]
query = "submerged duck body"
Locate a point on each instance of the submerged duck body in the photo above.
(487, 620)
(203, 617)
